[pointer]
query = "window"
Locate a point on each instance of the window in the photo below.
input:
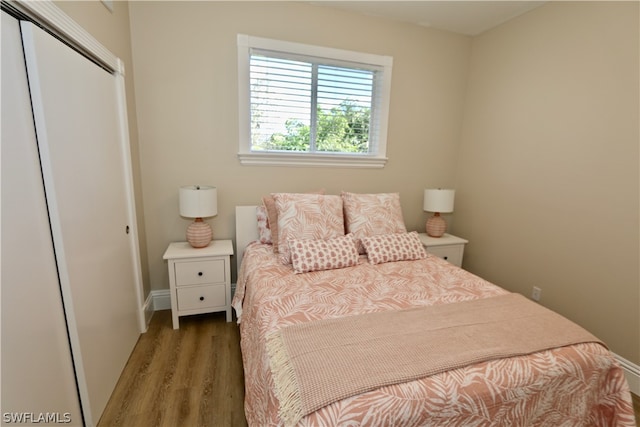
(312, 106)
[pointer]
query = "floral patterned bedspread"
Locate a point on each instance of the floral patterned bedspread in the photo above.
(580, 385)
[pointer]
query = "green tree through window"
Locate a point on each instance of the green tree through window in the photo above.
(284, 94)
(344, 129)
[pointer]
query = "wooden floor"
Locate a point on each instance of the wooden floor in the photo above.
(187, 377)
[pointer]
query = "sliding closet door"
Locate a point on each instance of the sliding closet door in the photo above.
(79, 131)
(37, 370)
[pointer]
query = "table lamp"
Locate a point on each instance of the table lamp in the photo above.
(438, 201)
(198, 201)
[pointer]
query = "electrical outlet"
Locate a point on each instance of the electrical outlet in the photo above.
(536, 293)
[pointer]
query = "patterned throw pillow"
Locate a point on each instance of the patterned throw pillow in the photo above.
(372, 214)
(328, 254)
(272, 215)
(264, 231)
(307, 216)
(394, 247)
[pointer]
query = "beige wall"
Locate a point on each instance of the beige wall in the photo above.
(112, 30)
(547, 167)
(547, 180)
(186, 91)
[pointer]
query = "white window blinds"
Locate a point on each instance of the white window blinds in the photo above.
(306, 104)
(303, 103)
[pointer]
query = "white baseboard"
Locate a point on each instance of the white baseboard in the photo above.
(632, 372)
(148, 310)
(156, 300)
(161, 299)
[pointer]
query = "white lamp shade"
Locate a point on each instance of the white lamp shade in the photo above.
(438, 200)
(198, 201)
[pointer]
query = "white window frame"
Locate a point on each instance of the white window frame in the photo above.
(375, 159)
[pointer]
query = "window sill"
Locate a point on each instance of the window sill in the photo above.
(311, 160)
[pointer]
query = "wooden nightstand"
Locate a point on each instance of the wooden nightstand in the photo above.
(448, 247)
(200, 279)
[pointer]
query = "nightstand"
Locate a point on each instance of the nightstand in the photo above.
(200, 279)
(448, 247)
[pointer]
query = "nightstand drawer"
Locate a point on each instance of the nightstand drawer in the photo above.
(453, 253)
(197, 297)
(199, 272)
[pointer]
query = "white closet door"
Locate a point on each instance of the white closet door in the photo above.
(78, 126)
(37, 370)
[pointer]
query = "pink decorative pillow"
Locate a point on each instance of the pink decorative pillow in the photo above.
(372, 214)
(307, 216)
(328, 254)
(394, 247)
(264, 232)
(272, 215)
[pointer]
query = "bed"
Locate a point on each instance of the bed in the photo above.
(311, 330)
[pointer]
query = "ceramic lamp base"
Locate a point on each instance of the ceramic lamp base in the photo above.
(199, 234)
(436, 225)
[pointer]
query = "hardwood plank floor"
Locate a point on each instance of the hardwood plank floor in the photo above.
(187, 377)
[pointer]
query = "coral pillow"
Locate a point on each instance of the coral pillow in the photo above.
(307, 216)
(372, 214)
(328, 254)
(272, 217)
(394, 247)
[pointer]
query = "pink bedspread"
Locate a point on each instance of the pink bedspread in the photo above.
(580, 385)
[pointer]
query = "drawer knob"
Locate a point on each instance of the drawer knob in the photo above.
(199, 273)
(201, 298)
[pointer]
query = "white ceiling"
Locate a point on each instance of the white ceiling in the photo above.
(464, 17)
